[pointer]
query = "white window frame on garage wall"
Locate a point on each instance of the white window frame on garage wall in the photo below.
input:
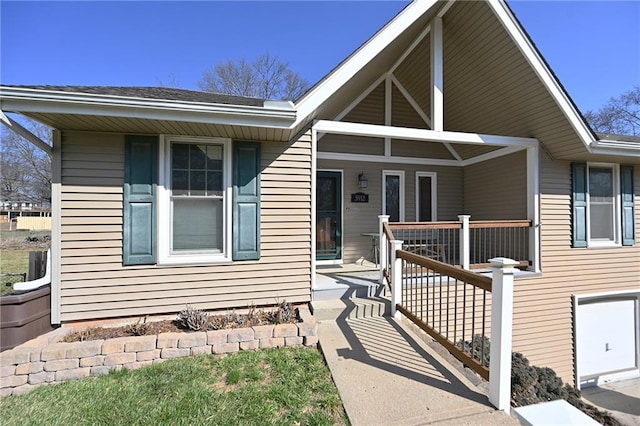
(434, 194)
(401, 200)
(165, 228)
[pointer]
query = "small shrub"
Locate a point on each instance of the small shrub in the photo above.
(193, 319)
(479, 348)
(139, 328)
(252, 317)
(532, 385)
(79, 336)
(285, 313)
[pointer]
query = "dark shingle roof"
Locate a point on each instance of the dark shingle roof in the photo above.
(159, 93)
(614, 137)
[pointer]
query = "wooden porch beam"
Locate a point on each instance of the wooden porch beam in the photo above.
(379, 131)
(22, 131)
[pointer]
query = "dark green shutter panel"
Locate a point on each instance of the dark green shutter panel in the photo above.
(140, 179)
(579, 204)
(628, 212)
(246, 201)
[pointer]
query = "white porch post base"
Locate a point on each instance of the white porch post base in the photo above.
(501, 332)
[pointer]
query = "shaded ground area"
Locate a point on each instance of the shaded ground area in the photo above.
(622, 399)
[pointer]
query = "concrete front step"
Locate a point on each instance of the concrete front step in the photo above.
(331, 310)
(346, 283)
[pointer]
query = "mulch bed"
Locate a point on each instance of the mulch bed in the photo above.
(215, 322)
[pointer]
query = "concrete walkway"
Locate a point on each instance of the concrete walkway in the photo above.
(386, 375)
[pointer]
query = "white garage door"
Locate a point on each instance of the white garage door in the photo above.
(607, 333)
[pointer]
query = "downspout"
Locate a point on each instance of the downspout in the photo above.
(56, 219)
(314, 167)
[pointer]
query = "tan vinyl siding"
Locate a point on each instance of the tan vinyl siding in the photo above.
(94, 284)
(359, 218)
(543, 316)
(370, 110)
(414, 73)
(497, 189)
(348, 144)
(403, 113)
(419, 149)
(491, 87)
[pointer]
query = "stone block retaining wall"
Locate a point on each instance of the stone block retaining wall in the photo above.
(30, 365)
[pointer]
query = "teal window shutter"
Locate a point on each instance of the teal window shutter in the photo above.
(246, 201)
(579, 204)
(140, 180)
(628, 210)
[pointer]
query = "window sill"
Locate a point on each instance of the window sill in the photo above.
(195, 260)
(592, 245)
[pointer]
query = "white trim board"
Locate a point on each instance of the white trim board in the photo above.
(340, 156)
(379, 131)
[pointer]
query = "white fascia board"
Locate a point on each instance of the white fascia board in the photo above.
(510, 23)
(630, 149)
(379, 131)
(276, 115)
(341, 75)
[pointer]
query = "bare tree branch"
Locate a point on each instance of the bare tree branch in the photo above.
(25, 170)
(621, 115)
(267, 77)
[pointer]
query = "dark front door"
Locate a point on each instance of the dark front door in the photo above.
(329, 216)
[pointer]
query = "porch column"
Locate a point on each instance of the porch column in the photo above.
(396, 278)
(437, 76)
(383, 249)
(503, 270)
(533, 205)
(464, 241)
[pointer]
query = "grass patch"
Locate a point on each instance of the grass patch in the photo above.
(14, 254)
(12, 262)
(272, 386)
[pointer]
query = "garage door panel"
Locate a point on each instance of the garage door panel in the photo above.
(606, 340)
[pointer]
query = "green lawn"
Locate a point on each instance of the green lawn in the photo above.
(283, 386)
(14, 254)
(12, 261)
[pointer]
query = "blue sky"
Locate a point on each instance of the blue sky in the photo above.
(593, 46)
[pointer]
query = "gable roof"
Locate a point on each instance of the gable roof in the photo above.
(550, 115)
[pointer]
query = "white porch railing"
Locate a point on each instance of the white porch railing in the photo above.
(459, 308)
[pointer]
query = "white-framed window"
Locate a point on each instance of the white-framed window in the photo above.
(426, 197)
(393, 194)
(194, 208)
(603, 205)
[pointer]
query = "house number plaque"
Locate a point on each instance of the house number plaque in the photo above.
(359, 197)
